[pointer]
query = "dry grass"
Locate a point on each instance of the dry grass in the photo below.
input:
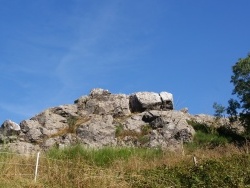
(18, 171)
(78, 172)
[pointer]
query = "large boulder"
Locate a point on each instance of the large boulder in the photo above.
(102, 102)
(9, 131)
(167, 100)
(31, 131)
(134, 123)
(170, 128)
(50, 123)
(142, 101)
(97, 132)
(9, 128)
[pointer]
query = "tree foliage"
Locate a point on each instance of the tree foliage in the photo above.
(232, 109)
(241, 82)
(219, 110)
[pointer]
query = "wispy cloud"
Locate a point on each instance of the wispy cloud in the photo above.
(100, 49)
(57, 67)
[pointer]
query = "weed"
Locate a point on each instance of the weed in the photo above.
(73, 123)
(143, 139)
(146, 129)
(119, 130)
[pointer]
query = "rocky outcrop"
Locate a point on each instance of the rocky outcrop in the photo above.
(143, 101)
(102, 102)
(143, 119)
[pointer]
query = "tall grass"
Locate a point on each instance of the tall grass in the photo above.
(104, 156)
(224, 166)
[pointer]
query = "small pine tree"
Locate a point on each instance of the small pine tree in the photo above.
(219, 110)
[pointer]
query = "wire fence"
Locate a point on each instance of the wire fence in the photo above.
(14, 164)
(41, 168)
(29, 163)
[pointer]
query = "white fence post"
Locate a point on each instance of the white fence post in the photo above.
(37, 162)
(195, 161)
(182, 148)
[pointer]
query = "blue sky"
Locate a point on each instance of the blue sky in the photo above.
(54, 51)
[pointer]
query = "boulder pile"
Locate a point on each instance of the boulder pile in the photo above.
(142, 119)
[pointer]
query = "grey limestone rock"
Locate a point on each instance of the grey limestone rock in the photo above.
(144, 119)
(142, 101)
(30, 130)
(99, 92)
(43, 125)
(104, 103)
(167, 100)
(134, 123)
(169, 128)
(9, 131)
(9, 128)
(66, 111)
(97, 132)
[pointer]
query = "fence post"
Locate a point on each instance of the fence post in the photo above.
(37, 162)
(182, 148)
(195, 161)
(247, 145)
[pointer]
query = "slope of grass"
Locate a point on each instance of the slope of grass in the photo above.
(221, 163)
(225, 166)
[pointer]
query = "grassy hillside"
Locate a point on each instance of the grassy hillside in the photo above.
(221, 162)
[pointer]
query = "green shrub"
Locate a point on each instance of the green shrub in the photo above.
(207, 136)
(202, 127)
